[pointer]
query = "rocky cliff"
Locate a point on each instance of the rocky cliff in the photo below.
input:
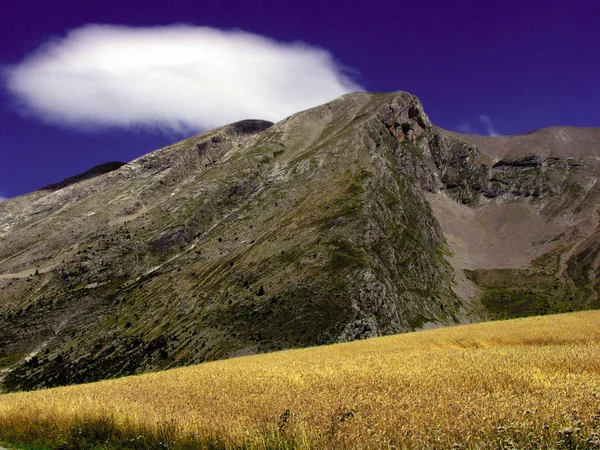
(354, 219)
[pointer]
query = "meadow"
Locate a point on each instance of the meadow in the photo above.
(518, 384)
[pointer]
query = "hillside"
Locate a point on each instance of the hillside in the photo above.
(355, 219)
(527, 383)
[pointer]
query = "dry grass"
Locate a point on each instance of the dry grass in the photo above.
(525, 383)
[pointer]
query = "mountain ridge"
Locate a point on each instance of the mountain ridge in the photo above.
(353, 219)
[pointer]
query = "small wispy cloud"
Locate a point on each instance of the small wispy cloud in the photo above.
(466, 128)
(177, 78)
(489, 125)
(2, 198)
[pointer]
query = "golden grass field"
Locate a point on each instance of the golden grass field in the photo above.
(525, 383)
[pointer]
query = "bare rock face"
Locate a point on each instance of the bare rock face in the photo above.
(354, 219)
(529, 237)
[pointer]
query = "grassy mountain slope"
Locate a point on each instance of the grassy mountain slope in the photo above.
(241, 240)
(354, 219)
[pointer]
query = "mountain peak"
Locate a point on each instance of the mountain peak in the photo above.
(353, 219)
(88, 174)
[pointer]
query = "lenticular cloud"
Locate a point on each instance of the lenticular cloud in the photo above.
(178, 78)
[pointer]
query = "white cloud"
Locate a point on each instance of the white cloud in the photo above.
(489, 124)
(179, 78)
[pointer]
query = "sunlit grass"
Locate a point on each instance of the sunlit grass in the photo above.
(526, 383)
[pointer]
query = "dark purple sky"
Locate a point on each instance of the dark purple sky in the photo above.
(524, 64)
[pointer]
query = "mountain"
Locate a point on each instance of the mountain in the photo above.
(353, 219)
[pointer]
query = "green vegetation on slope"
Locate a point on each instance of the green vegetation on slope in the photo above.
(542, 288)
